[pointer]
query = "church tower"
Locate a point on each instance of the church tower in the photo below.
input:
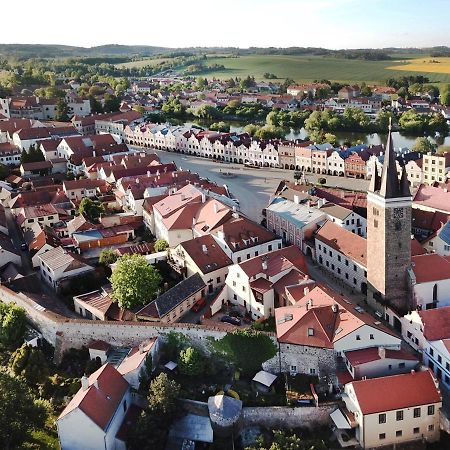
(388, 235)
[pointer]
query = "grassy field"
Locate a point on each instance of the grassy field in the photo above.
(308, 68)
(142, 63)
(429, 65)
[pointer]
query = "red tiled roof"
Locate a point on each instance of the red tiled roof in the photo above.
(344, 241)
(377, 395)
(136, 357)
(261, 285)
(100, 400)
(436, 323)
(365, 355)
(430, 267)
(214, 258)
(433, 197)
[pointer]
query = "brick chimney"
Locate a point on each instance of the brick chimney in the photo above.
(382, 352)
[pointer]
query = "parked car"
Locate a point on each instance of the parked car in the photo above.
(230, 319)
(198, 305)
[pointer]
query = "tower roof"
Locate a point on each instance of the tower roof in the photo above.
(390, 186)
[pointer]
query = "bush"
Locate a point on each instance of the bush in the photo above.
(161, 245)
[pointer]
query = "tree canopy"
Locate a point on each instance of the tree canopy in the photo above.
(191, 362)
(134, 281)
(19, 413)
(423, 145)
(29, 363)
(12, 324)
(163, 394)
(161, 245)
(107, 257)
(91, 209)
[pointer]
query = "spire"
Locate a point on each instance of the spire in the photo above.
(390, 186)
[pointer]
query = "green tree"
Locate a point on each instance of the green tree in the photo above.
(173, 107)
(107, 257)
(383, 118)
(247, 349)
(30, 364)
(96, 106)
(443, 149)
(220, 126)
(33, 154)
(20, 414)
(191, 362)
(12, 324)
(62, 111)
(161, 245)
(4, 172)
(112, 103)
(444, 95)
(423, 145)
(134, 281)
(91, 209)
(163, 394)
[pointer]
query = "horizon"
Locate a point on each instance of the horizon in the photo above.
(299, 23)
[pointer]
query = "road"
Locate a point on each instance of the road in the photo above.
(253, 187)
(16, 236)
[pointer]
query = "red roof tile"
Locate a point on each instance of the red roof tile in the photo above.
(436, 323)
(430, 267)
(396, 392)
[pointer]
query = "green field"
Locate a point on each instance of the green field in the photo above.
(308, 68)
(142, 63)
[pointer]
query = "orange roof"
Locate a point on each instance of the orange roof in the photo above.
(277, 261)
(176, 201)
(211, 214)
(436, 323)
(101, 399)
(135, 357)
(365, 355)
(315, 310)
(343, 241)
(430, 267)
(396, 392)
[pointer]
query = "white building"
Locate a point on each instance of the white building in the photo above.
(439, 242)
(390, 410)
(342, 253)
(94, 416)
(345, 218)
(58, 264)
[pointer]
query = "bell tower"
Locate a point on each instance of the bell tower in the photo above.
(389, 205)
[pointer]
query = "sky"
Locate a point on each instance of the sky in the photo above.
(237, 23)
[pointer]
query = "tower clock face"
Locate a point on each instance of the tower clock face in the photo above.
(398, 213)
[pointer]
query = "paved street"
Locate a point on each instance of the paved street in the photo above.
(253, 187)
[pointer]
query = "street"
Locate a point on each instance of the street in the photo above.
(252, 187)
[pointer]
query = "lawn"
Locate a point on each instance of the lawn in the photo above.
(308, 68)
(425, 64)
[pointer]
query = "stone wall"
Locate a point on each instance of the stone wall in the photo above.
(304, 359)
(280, 417)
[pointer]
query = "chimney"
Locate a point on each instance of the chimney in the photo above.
(310, 303)
(335, 308)
(137, 180)
(216, 208)
(203, 198)
(204, 249)
(264, 265)
(84, 382)
(382, 352)
(148, 173)
(306, 290)
(296, 199)
(141, 348)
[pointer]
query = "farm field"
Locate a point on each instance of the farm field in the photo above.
(425, 64)
(308, 68)
(142, 63)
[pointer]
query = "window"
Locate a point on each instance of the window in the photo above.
(218, 280)
(310, 331)
(312, 371)
(354, 267)
(381, 418)
(399, 415)
(398, 433)
(382, 436)
(430, 427)
(269, 248)
(371, 336)
(416, 413)
(234, 283)
(243, 288)
(401, 365)
(339, 257)
(431, 410)
(358, 337)
(431, 352)
(416, 430)
(439, 359)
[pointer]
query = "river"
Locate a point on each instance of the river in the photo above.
(400, 140)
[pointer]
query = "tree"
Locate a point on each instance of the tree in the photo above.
(107, 257)
(383, 118)
(445, 95)
(443, 149)
(29, 363)
(33, 154)
(4, 172)
(424, 145)
(20, 414)
(134, 281)
(163, 394)
(173, 107)
(62, 110)
(191, 362)
(96, 106)
(12, 324)
(112, 103)
(161, 245)
(91, 209)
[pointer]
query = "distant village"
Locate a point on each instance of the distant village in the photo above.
(350, 289)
